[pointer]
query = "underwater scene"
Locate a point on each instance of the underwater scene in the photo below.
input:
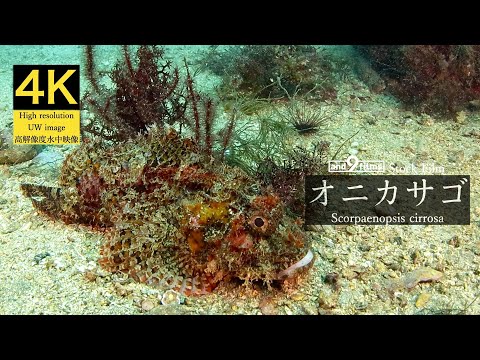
(246, 179)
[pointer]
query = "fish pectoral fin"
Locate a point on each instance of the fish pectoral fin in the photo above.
(45, 199)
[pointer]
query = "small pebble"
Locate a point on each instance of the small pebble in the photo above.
(349, 274)
(171, 297)
(351, 230)
(476, 248)
(9, 227)
(364, 247)
(288, 311)
(59, 264)
(461, 117)
(361, 306)
(427, 122)
(39, 257)
(397, 240)
(309, 309)
(331, 279)
(422, 300)
(15, 154)
(326, 301)
(267, 306)
(121, 290)
(416, 256)
(90, 275)
(394, 266)
(420, 275)
(477, 211)
(147, 305)
(454, 241)
(298, 296)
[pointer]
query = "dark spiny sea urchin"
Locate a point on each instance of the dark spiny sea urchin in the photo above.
(306, 119)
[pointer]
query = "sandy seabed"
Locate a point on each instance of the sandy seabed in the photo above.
(46, 267)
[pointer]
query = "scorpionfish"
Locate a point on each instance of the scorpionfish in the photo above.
(172, 216)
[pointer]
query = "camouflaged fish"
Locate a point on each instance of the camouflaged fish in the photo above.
(174, 218)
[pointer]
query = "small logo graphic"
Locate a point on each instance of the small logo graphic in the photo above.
(46, 104)
(353, 164)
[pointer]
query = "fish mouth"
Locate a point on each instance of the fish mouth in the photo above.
(291, 270)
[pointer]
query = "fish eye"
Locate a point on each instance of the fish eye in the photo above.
(259, 222)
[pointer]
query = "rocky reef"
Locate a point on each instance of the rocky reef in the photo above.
(435, 79)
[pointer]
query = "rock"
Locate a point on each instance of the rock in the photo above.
(369, 76)
(427, 121)
(288, 311)
(9, 227)
(394, 266)
(309, 309)
(422, 300)
(351, 230)
(47, 157)
(473, 133)
(147, 305)
(424, 274)
(332, 279)
(121, 290)
(454, 241)
(474, 104)
(361, 306)
(39, 257)
(397, 240)
(364, 247)
(267, 306)
(176, 310)
(349, 274)
(171, 297)
(476, 248)
(17, 155)
(461, 117)
(352, 272)
(59, 264)
(90, 276)
(326, 301)
(298, 297)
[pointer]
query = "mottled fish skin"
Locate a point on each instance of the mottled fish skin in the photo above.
(171, 217)
(45, 199)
